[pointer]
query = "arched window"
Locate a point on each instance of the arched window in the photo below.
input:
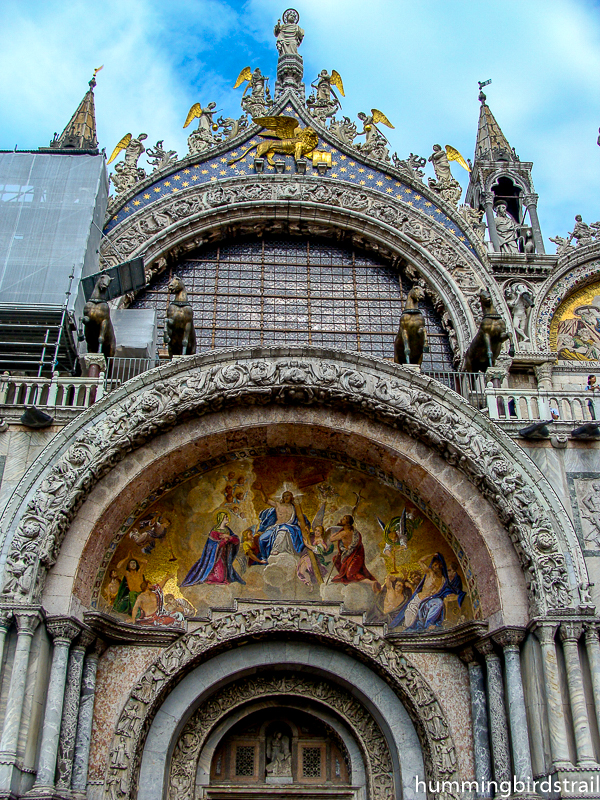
(293, 291)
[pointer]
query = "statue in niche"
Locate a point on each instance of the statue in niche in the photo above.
(179, 334)
(411, 339)
(507, 229)
(289, 34)
(590, 510)
(487, 342)
(519, 298)
(279, 756)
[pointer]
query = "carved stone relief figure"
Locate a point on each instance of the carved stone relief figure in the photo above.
(519, 298)
(279, 763)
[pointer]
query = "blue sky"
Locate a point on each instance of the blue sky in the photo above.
(417, 60)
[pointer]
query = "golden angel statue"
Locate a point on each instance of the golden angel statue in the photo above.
(284, 136)
(127, 173)
(375, 141)
(445, 183)
(259, 101)
(202, 138)
(326, 102)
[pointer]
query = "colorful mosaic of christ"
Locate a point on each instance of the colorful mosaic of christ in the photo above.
(285, 528)
(575, 327)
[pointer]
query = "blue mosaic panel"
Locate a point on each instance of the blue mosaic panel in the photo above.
(343, 168)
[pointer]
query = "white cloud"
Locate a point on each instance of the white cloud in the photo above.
(417, 62)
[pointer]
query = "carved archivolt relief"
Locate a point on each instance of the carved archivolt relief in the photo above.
(396, 226)
(371, 740)
(526, 505)
(145, 698)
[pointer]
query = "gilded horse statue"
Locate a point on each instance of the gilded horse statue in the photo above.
(179, 335)
(98, 330)
(411, 339)
(487, 342)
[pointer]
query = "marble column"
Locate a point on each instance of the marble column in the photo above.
(570, 633)
(63, 630)
(592, 645)
(84, 723)
(27, 622)
(68, 728)
(5, 623)
(479, 715)
(497, 712)
(491, 221)
(509, 639)
(530, 202)
(559, 747)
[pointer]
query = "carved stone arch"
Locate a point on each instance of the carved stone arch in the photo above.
(309, 692)
(180, 223)
(576, 270)
(292, 623)
(47, 499)
(517, 179)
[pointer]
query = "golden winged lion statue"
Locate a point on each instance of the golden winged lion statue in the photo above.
(293, 140)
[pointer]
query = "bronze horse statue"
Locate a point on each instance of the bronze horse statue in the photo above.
(487, 342)
(98, 330)
(411, 339)
(179, 335)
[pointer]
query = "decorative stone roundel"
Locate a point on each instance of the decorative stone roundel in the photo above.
(49, 495)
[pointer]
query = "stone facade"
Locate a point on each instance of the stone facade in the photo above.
(116, 686)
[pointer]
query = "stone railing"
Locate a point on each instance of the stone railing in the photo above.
(516, 405)
(62, 397)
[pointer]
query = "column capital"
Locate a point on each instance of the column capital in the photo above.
(590, 630)
(27, 621)
(486, 648)
(469, 656)
(545, 631)
(509, 638)
(530, 199)
(6, 616)
(62, 629)
(488, 198)
(85, 639)
(570, 631)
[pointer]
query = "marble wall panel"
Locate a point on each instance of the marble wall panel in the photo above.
(449, 679)
(119, 669)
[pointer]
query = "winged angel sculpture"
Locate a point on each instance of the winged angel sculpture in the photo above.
(127, 173)
(293, 140)
(446, 184)
(326, 103)
(375, 142)
(259, 101)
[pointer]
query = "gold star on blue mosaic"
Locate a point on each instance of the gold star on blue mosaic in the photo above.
(186, 171)
(167, 183)
(146, 196)
(137, 202)
(185, 183)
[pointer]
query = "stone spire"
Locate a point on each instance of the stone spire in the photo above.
(492, 144)
(80, 132)
(500, 178)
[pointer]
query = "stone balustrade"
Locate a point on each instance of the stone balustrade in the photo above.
(513, 405)
(55, 394)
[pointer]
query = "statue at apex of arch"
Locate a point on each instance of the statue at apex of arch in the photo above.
(289, 34)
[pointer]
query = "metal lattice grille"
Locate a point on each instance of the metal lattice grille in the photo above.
(244, 760)
(296, 291)
(311, 762)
